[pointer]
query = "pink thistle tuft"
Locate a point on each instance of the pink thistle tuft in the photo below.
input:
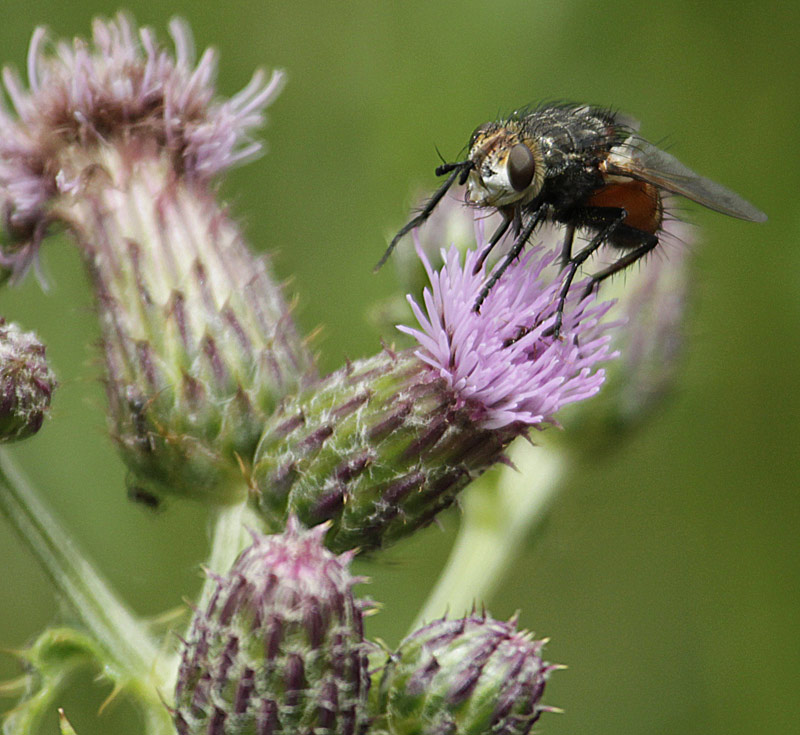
(503, 361)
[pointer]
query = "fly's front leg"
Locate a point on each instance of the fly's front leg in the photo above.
(496, 237)
(519, 243)
(458, 171)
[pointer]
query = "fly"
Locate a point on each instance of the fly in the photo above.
(580, 166)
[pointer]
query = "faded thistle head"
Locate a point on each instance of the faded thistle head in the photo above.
(280, 646)
(120, 141)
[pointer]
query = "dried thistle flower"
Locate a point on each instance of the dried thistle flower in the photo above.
(119, 141)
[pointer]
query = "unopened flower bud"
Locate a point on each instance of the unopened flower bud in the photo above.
(26, 383)
(476, 676)
(280, 647)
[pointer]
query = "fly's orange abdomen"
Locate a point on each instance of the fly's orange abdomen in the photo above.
(642, 202)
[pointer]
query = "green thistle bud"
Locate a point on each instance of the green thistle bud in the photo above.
(474, 676)
(377, 449)
(280, 647)
(198, 342)
(26, 383)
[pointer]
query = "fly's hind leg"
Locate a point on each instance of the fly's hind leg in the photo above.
(648, 241)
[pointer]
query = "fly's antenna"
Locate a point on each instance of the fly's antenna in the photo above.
(460, 171)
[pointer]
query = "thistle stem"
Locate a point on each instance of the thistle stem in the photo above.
(226, 543)
(500, 512)
(105, 616)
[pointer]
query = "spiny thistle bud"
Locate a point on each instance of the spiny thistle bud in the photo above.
(377, 449)
(380, 447)
(280, 647)
(121, 142)
(474, 676)
(26, 383)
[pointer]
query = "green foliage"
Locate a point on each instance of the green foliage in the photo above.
(49, 663)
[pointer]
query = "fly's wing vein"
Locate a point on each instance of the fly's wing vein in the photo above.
(641, 160)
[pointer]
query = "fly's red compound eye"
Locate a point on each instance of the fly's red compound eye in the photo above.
(521, 167)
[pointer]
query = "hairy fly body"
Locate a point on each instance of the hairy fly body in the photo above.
(583, 167)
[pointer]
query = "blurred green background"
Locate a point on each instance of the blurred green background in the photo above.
(667, 575)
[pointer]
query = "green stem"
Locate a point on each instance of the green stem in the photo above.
(91, 597)
(499, 514)
(226, 543)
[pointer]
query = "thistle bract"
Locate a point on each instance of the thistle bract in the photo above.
(473, 676)
(377, 449)
(280, 647)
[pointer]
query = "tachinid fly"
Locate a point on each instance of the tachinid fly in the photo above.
(580, 166)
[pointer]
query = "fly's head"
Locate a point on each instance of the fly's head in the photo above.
(507, 166)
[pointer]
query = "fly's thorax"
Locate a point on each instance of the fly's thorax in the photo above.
(508, 166)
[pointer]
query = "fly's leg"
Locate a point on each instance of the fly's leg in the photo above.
(615, 217)
(649, 241)
(496, 237)
(522, 238)
(566, 246)
(458, 171)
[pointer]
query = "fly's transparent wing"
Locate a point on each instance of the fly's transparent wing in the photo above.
(642, 160)
(626, 121)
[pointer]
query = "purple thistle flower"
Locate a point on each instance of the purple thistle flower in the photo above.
(382, 446)
(502, 360)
